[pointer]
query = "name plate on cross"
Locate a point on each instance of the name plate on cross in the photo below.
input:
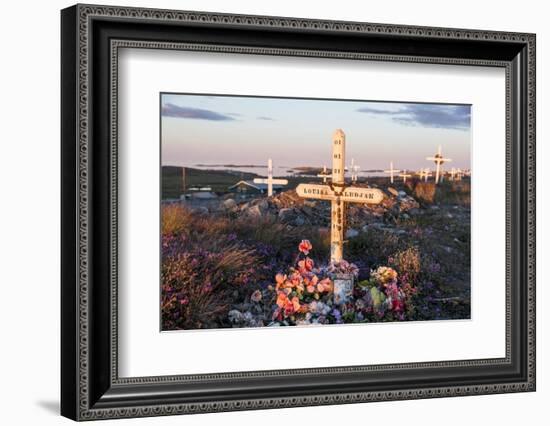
(348, 195)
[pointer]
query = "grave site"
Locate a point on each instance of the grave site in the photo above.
(327, 247)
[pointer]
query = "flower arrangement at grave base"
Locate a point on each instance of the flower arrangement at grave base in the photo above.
(304, 295)
(384, 296)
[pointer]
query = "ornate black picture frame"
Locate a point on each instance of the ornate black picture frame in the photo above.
(91, 36)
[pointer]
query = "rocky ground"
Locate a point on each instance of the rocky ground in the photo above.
(433, 219)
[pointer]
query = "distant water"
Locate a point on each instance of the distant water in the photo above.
(277, 170)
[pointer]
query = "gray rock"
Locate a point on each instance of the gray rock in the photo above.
(286, 214)
(299, 221)
(393, 191)
(402, 193)
(352, 233)
(376, 225)
(407, 203)
(308, 211)
(263, 205)
(201, 210)
(396, 231)
(254, 211)
(229, 204)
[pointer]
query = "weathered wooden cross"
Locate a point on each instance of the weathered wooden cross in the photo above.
(354, 169)
(453, 173)
(405, 175)
(438, 160)
(338, 193)
(424, 174)
(427, 174)
(270, 181)
(391, 171)
(459, 174)
(324, 174)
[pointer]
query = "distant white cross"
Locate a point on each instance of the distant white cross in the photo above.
(459, 174)
(391, 171)
(339, 194)
(404, 175)
(427, 174)
(324, 174)
(438, 160)
(421, 174)
(354, 168)
(453, 173)
(270, 181)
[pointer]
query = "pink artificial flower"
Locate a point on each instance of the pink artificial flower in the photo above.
(280, 278)
(289, 308)
(397, 305)
(282, 299)
(295, 279)
(305, 265)
(305, 246)
(326, 285)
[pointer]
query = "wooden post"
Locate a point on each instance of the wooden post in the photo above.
(339, 194)
(324, 174)
(337, 206)
(183, 183)
(438, 160)
(391, 171)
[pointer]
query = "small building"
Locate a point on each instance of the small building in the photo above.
(202, 193)
(248, 187)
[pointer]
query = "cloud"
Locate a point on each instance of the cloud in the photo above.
(427, 115)
(171, 110)
(379, 111)
(263, 117)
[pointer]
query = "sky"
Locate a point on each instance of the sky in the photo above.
(206, 129)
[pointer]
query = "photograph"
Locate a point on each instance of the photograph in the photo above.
(235, 183)
(298, 211)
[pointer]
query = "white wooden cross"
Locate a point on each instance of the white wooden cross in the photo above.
(354, 168)
(270, 181)
(438, 160)
(404, 175)
(324, 174)
(421, 173)
(459, 174)
(453, 173)
(427, 174)
(391, 171)
(339, 194)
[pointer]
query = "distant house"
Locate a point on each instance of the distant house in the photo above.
(245, 187)
(202, 193)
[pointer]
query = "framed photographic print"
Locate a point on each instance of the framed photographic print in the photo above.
(263, 212)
